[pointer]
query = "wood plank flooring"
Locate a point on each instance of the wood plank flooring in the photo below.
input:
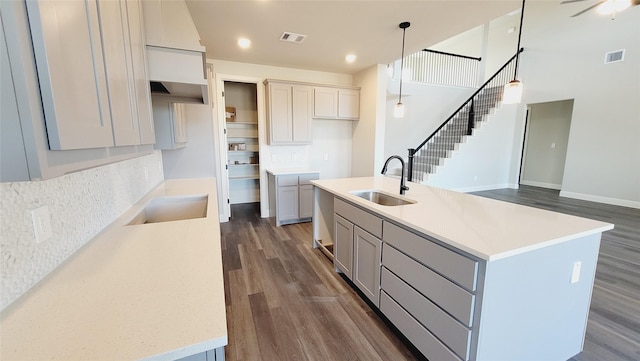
(285, 302)
(613, 328)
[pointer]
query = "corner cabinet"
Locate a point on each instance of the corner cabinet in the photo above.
(93, 101)
(289, 113)
(336, 103)
(291, 196)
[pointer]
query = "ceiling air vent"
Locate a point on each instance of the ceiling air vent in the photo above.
(614, 56)
(292, 37)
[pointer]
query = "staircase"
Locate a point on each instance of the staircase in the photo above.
(441, 144)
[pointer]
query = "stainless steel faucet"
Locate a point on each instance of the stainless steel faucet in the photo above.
(403, 187)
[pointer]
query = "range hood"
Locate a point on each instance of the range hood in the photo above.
(176, 60)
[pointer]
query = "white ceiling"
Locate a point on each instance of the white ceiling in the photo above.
(368, 29)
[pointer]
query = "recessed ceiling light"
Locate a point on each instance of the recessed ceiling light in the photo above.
(350, 58)
(244, 43)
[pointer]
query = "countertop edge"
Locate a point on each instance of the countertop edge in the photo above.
(452, 243)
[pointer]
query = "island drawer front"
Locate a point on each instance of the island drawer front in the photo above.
(452, 298)
(287, 180)
(451, 332)
(454, 266)
(304, 179)
(359, 217)
(421, 338)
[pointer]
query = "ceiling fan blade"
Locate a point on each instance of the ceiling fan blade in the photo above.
(587, 9)
(571, 1)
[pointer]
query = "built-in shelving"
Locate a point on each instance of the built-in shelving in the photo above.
(243, 150)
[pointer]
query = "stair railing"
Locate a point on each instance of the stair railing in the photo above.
(439, 67)
(440, 143)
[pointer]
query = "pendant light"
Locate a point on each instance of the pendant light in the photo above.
(398, 111)
(513, 90)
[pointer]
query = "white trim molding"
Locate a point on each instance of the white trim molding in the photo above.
(600, 199)
(541, 184)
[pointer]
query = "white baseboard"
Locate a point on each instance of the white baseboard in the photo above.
(487, 187)
(600, 199)
(541, 184)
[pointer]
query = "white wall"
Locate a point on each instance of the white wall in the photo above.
(564, 59)
(369, 130)
(197, 158)
(81, 205)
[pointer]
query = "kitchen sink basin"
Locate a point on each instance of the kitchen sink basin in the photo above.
(167, 209)
(382, 198)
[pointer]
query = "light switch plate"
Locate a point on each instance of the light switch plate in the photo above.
(41, 219)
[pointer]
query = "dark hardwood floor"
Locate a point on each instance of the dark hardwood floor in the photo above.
(285, 302)
(613, 328)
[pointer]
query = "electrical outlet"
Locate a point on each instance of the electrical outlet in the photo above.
(326, 156)
(146, 173)
(41, 219)
(553, 145)
(575, 273)
(475, 178)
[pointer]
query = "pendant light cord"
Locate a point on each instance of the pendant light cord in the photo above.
(404, 27)
(401, 66)
(515, 72)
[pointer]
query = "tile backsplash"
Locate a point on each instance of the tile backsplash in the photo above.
(81, 205)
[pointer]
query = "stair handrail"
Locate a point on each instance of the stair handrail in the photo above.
(412, 151)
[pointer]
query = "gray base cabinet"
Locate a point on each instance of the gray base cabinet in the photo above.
(367, 252)
(454, 306)
(216, 354)
(357, 250)
(343, 246)
(291, 196)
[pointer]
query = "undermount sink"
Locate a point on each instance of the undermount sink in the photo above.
(167, 209)
(384, 199)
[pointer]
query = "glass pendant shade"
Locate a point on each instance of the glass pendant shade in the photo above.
(512, 92)
(398, 111)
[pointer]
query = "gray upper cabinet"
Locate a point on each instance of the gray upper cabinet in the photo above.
(119, 71)
(289, 113)
(336, 103)
(140, 74)
(92, 72)
(71, 72)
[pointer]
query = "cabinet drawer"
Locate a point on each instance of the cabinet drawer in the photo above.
(456, 336)
(454, 266)
(287, 180)
(307, 178)
(363, 219)
(421, 338)
(448, 296)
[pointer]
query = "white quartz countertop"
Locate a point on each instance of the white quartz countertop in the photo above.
(291, 171)
(148, 291)
(486, 228)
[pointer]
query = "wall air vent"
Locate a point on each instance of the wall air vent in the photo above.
(292, 37)
(614, 56)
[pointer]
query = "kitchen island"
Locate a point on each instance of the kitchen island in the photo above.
(463, 277)
(144, 288)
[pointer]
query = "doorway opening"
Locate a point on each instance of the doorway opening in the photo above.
(545, 144)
